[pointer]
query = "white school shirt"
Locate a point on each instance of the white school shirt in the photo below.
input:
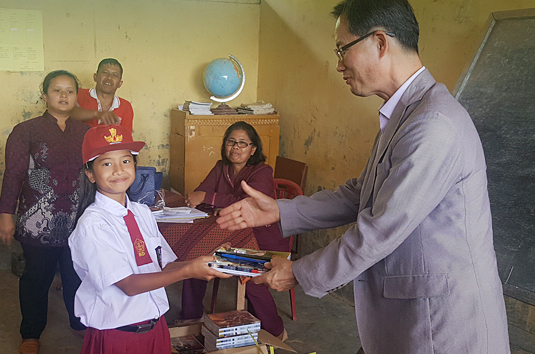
(103, 254)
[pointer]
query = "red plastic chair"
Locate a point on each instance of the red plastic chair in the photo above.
(286, 189)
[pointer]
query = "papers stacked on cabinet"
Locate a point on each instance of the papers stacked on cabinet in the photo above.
(256, 108)
(201, 108)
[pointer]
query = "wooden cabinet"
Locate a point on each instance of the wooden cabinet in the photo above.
(195, 144)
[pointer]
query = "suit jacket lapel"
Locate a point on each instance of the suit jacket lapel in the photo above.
(404, 108)
(367, 185)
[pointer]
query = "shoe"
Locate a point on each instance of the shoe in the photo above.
(283, 336)
(29, 346)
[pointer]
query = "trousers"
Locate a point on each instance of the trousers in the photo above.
(34, 284)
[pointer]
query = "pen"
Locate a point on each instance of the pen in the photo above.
(241, 258)
(241, 269)
(247, 256)
(259, 266)
(159, 256)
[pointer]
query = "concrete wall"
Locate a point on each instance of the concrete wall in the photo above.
(163, 46)
(322, 123)
(285, 47)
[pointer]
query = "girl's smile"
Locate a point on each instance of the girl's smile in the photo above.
(113, 172)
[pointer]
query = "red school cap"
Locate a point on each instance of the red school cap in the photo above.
(105, 138)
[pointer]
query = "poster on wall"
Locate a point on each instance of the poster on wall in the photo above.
(21, 40)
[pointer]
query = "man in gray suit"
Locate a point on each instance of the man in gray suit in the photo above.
(420, 252)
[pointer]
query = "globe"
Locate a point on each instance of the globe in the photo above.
(224, 78)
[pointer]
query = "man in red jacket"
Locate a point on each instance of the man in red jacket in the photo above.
(100, 105)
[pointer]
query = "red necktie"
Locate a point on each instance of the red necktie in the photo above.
(140, 249)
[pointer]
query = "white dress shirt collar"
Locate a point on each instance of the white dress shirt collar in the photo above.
(112, 206)
(385, 112)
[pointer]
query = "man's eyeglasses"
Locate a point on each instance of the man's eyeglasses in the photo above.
(340, 52)
(241, 144)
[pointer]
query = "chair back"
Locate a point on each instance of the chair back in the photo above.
(295, 171)
(286, 189)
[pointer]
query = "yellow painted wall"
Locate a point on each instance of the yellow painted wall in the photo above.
(163, 46)
(284, 45)
(322, 123)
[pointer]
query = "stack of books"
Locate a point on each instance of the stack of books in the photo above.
(198, 108)
(230, 330)
(243, 261)
(256, 108)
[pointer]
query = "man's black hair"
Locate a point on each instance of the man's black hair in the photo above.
(396, 16)
(110, 61)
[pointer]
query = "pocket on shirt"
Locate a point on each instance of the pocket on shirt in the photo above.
(415, 286)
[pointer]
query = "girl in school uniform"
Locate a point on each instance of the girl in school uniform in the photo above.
(122, 259)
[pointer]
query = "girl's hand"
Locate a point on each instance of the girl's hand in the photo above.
(7, 228)
(199, 269)
(195, 198)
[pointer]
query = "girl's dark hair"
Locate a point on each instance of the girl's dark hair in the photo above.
(258, 156)
(52, 75)
(87, 189)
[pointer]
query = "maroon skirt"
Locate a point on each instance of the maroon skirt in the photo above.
(114, 341)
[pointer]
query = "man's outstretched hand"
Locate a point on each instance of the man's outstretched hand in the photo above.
(256, 210)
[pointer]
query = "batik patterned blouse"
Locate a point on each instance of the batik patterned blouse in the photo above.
(41, 176)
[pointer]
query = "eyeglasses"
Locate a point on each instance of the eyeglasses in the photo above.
(241, 144)
(340, 52)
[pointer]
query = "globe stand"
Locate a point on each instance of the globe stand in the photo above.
(223, 109)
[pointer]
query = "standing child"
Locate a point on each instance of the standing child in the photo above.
(43, 158)
(122, 259)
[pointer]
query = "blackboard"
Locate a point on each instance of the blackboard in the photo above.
(498, 90)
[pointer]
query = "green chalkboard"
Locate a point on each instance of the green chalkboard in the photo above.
(498, 90)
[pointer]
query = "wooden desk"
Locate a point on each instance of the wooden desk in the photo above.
(190, 241)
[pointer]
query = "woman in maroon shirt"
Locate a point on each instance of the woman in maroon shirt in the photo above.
(242, 159)
(43, 159)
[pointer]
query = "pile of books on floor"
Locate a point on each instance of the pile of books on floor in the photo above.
(200, 108)
(256, 108)
(230, 330)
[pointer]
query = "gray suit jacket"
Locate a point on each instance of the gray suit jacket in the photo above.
(421, 250)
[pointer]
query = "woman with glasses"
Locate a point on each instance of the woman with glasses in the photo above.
(242, 159)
